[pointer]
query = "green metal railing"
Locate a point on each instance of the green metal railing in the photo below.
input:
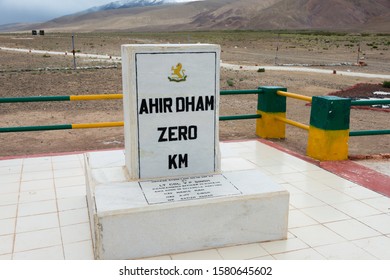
(101, 97)
(239, 92)
(369, 103)
(369, 132)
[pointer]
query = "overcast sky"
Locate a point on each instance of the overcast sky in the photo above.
(12, 11)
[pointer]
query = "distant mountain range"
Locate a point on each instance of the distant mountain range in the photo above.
(169, 15)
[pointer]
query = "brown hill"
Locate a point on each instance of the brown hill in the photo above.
(339, 15)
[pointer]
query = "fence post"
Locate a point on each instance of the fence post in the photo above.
(329, 128)
(269, 105)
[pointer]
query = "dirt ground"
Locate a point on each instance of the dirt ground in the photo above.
(15, 80)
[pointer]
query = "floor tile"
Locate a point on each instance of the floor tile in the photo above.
(360, 193)
(381, 203)
(332, 196)
(76, 233)
(339, 183)
(322, 206)
(297, 218)
(352, 229)
(281, 246)
(9, 188)
(198, 255)
(356, 209)
(376, 246)
(37, 160)
(9, 199)
(50, 253)
(264, 258)
(69, 181)
(304, 201)
(302, 165)
(158, 258)
(292, 189)
(27, 168)
(319, 175)
(36, 185)
(325, 214)
(232, 164)
(11, 162)
(71, 217)
(6, 257)
(8, 211)
(304, 254)
(242, 252)
(37, 222)
(279, 169)
(36, 208)
(261, 161)
(71, 172)
(37, 239)
(79, 251)
(317, 235)
(72, 203)
(60, 165)
(344, 251)
(5, 170)
(10, 178)
(380, 223)
(6, 242)
(39, 175)
(39, 195)
(310, 185)
(293, 177)
(7, 226)
(65, 159)
(68, 192)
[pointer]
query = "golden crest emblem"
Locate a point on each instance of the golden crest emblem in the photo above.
(177, 74)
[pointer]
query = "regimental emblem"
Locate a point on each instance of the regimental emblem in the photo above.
(177, 74)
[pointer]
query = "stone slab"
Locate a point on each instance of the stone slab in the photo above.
(134, 219)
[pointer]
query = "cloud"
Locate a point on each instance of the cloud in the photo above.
(12, 11)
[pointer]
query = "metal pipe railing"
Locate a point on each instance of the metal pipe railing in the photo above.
(294, 95)
(293, 123)
(369, 132)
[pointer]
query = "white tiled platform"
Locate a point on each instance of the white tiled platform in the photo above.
(43, 210)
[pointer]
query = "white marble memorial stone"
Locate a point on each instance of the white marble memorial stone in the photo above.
(171, 97)
(166, 193)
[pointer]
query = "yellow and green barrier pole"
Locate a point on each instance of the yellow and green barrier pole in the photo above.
(329, 128)
(271, 106)
(61, 98)
(60, 127)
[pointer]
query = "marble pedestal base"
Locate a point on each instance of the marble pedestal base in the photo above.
(132, 219)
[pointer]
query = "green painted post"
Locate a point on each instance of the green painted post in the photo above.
(269, 106)
(329, 128)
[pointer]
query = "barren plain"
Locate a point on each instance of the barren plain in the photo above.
(22, 74)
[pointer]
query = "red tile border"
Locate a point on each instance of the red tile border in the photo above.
(360, 175)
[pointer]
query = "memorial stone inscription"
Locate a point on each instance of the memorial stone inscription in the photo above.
(171, 97)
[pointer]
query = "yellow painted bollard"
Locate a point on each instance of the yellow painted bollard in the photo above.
(329, 128)
(269, 106)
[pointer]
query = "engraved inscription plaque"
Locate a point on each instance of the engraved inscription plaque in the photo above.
(188, 188)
